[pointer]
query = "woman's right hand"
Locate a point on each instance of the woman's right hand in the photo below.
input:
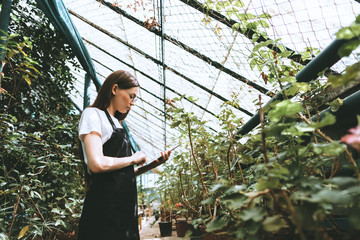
(139, 158)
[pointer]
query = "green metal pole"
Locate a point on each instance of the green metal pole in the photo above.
(4, 25)
(328, 57)
(86, 90)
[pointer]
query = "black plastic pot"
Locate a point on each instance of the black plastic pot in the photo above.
(181, 228)
(165, 228)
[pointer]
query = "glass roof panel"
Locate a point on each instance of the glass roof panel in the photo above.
(204, 58)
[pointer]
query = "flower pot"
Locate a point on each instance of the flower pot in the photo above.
(165, 228)
(181, 228)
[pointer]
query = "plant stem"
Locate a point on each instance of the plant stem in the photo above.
(241, 173)
(228, 160)
(15, 211)
(214, 170)
(294, 217)
(255, 195)
(37, 209)
(195, 159)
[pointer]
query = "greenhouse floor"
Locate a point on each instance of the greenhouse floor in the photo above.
(151, 231)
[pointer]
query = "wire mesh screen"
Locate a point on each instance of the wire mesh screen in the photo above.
(177, 47)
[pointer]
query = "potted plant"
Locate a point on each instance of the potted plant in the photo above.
(181, 220)
(165, 223)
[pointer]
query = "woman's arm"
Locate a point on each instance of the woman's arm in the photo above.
(98, 163)
(157, 162)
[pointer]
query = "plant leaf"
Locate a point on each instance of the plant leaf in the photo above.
(284, 108)
(273, 223)
(23, 231)
(216, 224)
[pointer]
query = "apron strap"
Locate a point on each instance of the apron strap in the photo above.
(110, 119)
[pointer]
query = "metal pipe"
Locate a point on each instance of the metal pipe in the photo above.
(4, 26)
(163, 65)
(86, 90)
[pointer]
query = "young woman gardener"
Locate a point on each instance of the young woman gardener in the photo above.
(110, 207)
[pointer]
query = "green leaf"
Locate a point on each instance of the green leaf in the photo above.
(347, 48)
(209, 201)
(192, 99)
(349, 32)
(352, 72)
(235, 26)
(332, 196)
(263, 23)
(273, 223)
(265, 15)
(336, 104)
(216, 224)
(343, 181)
(276, 129)
(256, 214)
(330, 149)
(354, 218)
(327, 119)
(296, 87)
(239, 4)
(284, 108)
(175, 124)
(253, 63)
(288, 79)
(27, 79)
(216, 187)
(235, 201)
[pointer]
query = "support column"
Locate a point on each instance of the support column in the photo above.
(86, 91)
(4, 25)
(163, 65)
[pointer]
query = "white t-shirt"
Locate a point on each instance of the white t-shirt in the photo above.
(95, 120)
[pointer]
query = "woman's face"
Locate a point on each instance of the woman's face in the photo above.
(123, 99)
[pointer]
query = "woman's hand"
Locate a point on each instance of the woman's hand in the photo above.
(164, 157)
(139, 158)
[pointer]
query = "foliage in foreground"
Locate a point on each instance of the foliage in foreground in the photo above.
(39, 171)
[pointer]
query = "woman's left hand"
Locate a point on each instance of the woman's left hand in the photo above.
(164, 157)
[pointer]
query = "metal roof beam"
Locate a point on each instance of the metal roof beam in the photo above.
(161, 84)
(186, 48)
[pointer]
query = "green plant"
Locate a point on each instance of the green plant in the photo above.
(282, 181)
(40, 172)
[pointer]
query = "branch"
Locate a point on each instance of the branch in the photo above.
(15, 211)
(37, 209)
(195, 159)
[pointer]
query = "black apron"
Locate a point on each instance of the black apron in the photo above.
(110, 207)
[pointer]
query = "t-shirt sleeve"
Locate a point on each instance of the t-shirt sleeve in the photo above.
(89, 122)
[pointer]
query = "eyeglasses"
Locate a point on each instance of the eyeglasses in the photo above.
(132, 96)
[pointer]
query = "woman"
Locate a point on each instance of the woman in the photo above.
(110, 207)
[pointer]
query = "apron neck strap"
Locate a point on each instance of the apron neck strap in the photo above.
(110, 119)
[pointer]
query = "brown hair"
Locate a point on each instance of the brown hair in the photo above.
(124, 80)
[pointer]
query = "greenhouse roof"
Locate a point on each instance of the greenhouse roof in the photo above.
(196, 53)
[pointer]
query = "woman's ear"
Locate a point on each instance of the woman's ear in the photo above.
(115, 87)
